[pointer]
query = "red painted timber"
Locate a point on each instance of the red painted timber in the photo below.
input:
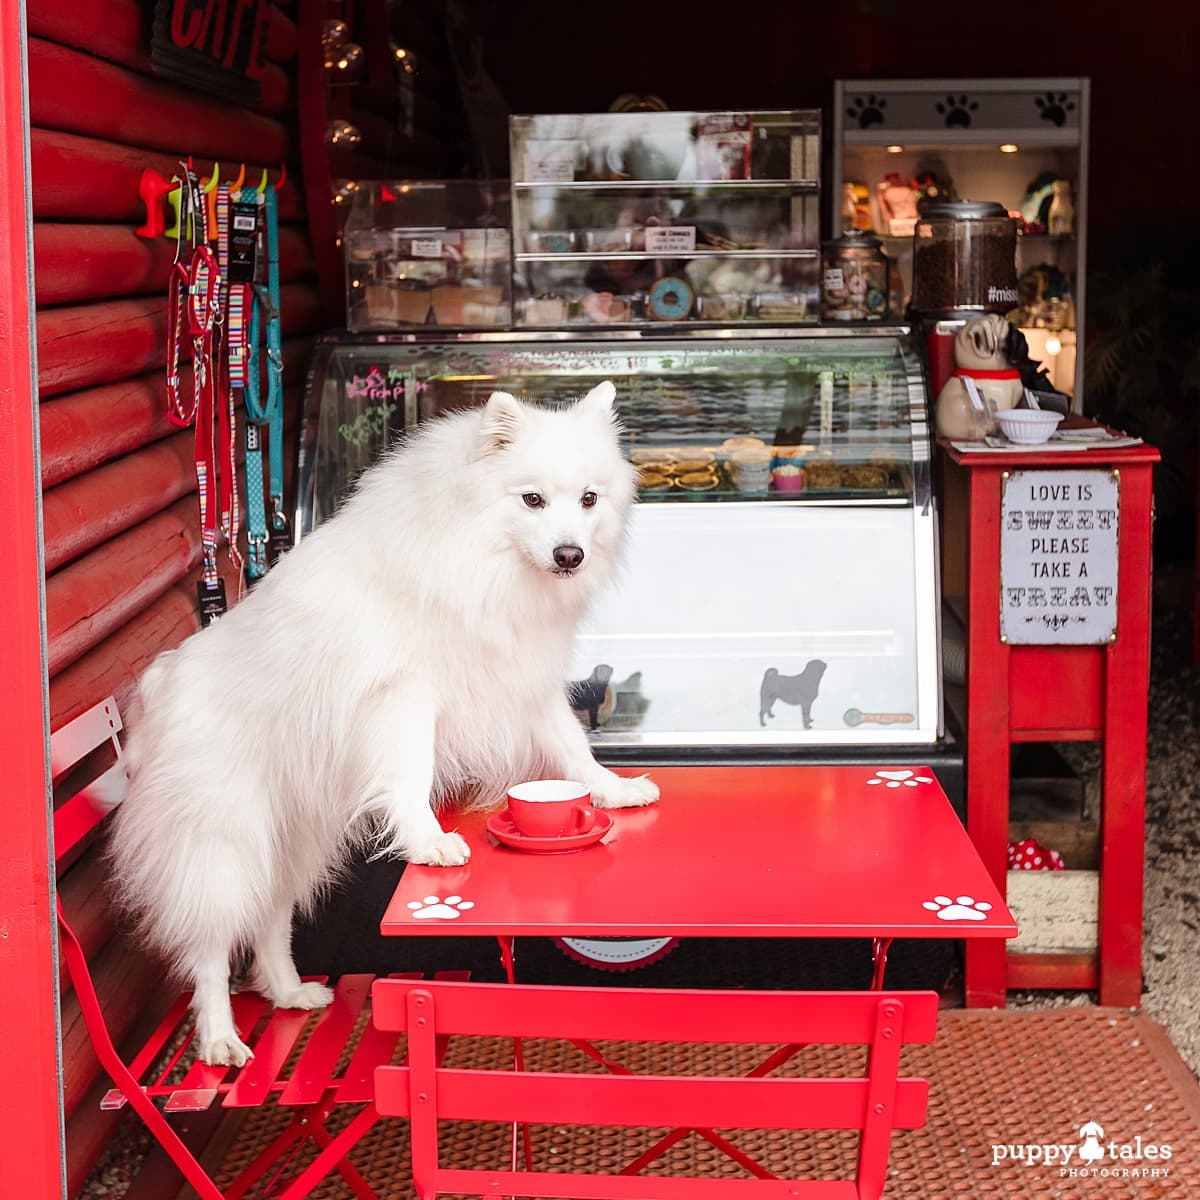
(76, 263)
(91, 598)
(72, 263)
(83, 345)
(124, 107)
(119, 31)
(30, 1112)
(114, 666)
(87, 179)
(96, 343)
(86, 428)
(282, 36)
(82, 513)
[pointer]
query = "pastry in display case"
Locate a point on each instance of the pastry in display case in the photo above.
(427, 253)
(1020, 144)
(779, 586)
(665, 217)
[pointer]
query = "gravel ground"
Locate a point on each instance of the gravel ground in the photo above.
(1171, 938)
(1171, 954)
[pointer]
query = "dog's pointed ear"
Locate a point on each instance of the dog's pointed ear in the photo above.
(502, 417)
(600, 400)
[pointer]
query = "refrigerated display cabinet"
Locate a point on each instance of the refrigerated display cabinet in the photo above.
(780, 584)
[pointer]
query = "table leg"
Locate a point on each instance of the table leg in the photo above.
(520, 1133)
(879, 952)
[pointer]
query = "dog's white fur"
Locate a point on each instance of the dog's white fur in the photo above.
(413, 647)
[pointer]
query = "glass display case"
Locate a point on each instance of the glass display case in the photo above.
(427, 253)
(1020, 142)
(780, 584)
(669, 217)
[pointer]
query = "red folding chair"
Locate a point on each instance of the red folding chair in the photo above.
(311, 1088)
(427, 1092)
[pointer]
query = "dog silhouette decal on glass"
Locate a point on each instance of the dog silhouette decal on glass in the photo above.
(799, 689)
(593, 695)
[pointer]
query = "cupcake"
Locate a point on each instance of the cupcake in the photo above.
(751, 469)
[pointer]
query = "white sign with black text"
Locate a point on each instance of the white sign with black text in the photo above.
(1058, 557)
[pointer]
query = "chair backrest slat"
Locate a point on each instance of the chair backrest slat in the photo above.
(79, 815)
(552, 1098)
(640, 1014)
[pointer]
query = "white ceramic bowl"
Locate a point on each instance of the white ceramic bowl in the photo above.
(1027, 426)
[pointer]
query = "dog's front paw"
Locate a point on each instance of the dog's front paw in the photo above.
(626, 793)
(448, 850)
(307, 995)
(228, 1051)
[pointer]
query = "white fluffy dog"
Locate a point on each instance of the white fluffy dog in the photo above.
(412, 648)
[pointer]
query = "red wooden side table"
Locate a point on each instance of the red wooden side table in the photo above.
(1045, 693)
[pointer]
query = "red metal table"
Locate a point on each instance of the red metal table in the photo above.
(850, 851)
(809, 851)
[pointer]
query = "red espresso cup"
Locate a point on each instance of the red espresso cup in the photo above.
(548, 808)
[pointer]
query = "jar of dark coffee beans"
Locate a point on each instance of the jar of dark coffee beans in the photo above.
(964, 258)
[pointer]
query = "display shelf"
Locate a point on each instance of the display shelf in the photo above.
(692, 186)
(620, 218)
(986, 140)
(644, 256)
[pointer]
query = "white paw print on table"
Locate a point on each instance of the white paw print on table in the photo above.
(895, 779)
(962, 908)
(434, 908)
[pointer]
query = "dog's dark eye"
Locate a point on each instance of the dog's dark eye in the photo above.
(588, 499)
(534, 500)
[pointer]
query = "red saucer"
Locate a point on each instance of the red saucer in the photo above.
(500, 826)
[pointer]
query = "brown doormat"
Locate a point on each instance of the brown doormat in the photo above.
(1008, 1091)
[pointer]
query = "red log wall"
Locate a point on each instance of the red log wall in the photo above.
(119, 508)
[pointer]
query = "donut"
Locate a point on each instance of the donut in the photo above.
(671, 298)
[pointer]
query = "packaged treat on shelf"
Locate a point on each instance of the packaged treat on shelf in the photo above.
(550, 241)
(606, 309)
(608, 241)
(545, 310)
(782, 306)
(897, 204)
(723, 146)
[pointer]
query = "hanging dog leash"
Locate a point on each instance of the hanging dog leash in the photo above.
(204, 302)
(177, 307)
(226, 413)
(268, 415)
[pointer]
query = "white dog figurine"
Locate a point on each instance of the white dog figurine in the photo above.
(413, 647)
(981, 354)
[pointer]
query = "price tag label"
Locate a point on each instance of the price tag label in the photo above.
(670, 239)
(243, 241)
(549, 162)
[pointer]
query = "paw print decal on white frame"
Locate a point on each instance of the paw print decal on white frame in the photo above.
(901, 778)
(434, 908)
(962, 908)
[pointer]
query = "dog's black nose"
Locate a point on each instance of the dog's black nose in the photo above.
(568, 557)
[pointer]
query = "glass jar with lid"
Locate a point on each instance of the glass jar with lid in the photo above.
(964, 258)
(854, 278)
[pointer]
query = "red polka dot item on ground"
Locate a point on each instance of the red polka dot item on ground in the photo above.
(1030, 855)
